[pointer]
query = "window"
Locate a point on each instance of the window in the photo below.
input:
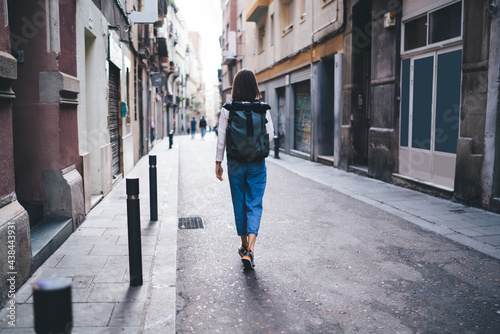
(239, 25)
(287, 15)
(135, 89)
(128, 94)
(302, 10)
(436, 26)
(272, 29)
(261, 38)
(445, 23)
(416, 33)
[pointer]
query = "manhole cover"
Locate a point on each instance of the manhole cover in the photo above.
(189, 223)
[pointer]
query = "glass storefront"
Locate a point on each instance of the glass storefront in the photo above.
(431, 81)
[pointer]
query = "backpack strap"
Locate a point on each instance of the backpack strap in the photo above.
(262, 123)
(248, 115)
(230, 118)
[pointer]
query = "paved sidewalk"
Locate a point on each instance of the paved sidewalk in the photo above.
(95, 257)
(473, 227)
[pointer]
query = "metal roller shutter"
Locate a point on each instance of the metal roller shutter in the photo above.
(114, 117)
(300, 75)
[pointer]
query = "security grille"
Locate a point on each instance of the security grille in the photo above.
(190, 223)
(114, 116)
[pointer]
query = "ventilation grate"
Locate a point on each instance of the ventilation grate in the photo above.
(190, 223)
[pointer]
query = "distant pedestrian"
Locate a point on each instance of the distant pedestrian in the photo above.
(247, 178)
(203, 126)
(193, 128)
(152, 131)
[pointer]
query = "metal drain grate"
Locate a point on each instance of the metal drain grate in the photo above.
(190, 223)
(458, 211)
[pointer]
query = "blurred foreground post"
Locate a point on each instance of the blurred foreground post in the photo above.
(134, 232)
(52, 305)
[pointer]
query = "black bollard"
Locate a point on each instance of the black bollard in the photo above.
(276, 147)
(170, 138)
(134, 232)
(52, 305)
(153, 188)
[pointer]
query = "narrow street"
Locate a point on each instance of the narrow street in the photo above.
(325, 263)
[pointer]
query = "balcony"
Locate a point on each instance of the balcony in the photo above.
(229, 52)
(256, 9)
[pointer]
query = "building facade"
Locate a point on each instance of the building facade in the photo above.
(405, 91)
(15, 244)
(87, 87)
(195, 97)
(295, 48)
(45, 123)
(421, 98)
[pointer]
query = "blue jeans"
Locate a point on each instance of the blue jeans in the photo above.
(248, 183)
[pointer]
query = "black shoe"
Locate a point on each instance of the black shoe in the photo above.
(248, 260)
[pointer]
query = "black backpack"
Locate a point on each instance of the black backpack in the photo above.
(247, 139)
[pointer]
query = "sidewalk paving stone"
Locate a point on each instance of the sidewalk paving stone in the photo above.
(78, 261)
(93, 240)
(127, 314)
(91, 231)
(117, 292)
(92, 314)
(145, 240)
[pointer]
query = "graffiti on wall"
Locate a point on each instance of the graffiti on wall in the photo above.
(303, 123)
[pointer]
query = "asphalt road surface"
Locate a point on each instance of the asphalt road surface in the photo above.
(325, 263)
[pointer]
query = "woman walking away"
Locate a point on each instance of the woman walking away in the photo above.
(245, 132)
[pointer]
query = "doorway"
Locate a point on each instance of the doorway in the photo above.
(140, 102)
(302, 117)
(430, 115)
(280, 92)
(326, 101)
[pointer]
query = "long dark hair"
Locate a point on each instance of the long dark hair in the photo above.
(245, 87)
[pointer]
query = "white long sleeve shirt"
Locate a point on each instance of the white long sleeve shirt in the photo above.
(221, 140)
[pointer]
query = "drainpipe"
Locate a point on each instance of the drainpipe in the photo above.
(314, 32)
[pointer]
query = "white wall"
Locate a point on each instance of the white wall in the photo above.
(93, 133)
